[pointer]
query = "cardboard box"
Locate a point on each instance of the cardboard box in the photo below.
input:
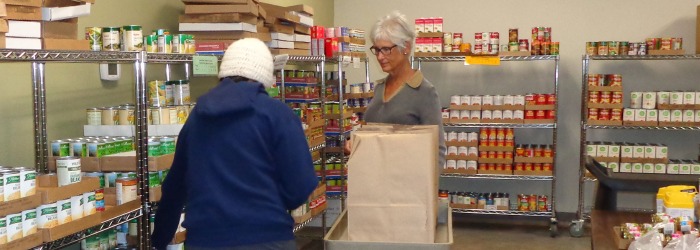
(280, 44)
(67, 29)
(338, 238)
(229, 35)
(53, 194)
(127, 162)
(534, 159)
(60, 231)
(248, 8)
(277, 12)
(218, 27)
(3, 10)
(19, 205)
(16, 12)
(26, 242)
(155, 193)
(281, 28)
(302, 8)
(216, 1)
(294, 52)
(63, 3)
(219, 18)
(60, 13)
(65, 44)
(373, 216)
(302, 45)
(33, 3)
(302, 29)
(4, 28)
(21, 43)
(87, 164)
(28, 29)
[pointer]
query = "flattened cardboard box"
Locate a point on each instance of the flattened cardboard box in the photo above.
(216, 1)
(4, 28)
(250, 8)
(302, 8)
(16, 12)
(60, 231)
(32, 3)
(53, 194)
(3, 10)
(62, 3)
(65, 44)
(26, 242)
(219, 18)
(67, 29)
(229, 35)
(19, 205)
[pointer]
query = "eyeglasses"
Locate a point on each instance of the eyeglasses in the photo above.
(385, 50)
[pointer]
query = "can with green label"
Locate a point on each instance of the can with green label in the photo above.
(179, 43)
(163, 174)
(167, 145)
(60, 148)
(154, 148)
(165, 43)
(153, 179)
(111, 39)
(151, 42)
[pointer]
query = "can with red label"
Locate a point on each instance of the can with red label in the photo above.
(540, 114)
(508, 155)
(491, 154)
(478, 48)
(478, 36)
(482, 166)
(519, 166)
(500, 155)
(483, 154)
(501, 143)
(604, 114)
(616, 97)
(491, 166)
(529, 114)
(616, 80)
(535, 48)
(542, 203)
(616, 114)
(500, 167)
(593, 80)
(530, 99)
(528, 167)
(547, 167)
(605, 97)
(537, 167)
(593, 97)
(541, 99)
(551, 114)
(593, 114)
(532, 203)
(523, 202)
(547, 152)
(551, 99)
(523, 45)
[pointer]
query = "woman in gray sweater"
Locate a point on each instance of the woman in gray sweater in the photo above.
(404, 96)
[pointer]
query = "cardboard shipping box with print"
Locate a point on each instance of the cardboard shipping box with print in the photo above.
(393, 184)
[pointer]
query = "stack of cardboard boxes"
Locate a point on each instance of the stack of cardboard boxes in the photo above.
(42, 24)
(216, 24)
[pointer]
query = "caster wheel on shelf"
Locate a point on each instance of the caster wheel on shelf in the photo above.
(576, 228)
(553, 228)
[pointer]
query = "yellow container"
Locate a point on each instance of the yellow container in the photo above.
(677, 204)
(660, 196)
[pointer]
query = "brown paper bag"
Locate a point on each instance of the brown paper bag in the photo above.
(393, 184)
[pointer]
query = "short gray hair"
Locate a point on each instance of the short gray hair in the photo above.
(393, 27)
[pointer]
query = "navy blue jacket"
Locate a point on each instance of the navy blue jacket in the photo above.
(241, 162)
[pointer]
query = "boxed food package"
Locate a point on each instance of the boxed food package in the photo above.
(406, 210)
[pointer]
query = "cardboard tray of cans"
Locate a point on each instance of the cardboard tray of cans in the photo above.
(459, 171)
(606, 159)
(63, 230)
(50, 194)
(19, 205)
(462, 143)
(640, 123)
(679, 124)
(430, 34)
(539, 107)
(604, 122)
(463, 121)
(463, 206)
(87, 164)
(534, 159)
(514, 53)
(496, 172)
(465, 107)
(496, 148)
(644, 160)
(302, 218)
(427, 54)
(463, 157)
(677, 106)
(112, 212)
(119, 162)
(509, 121)
(539, 121)
(26, 242)
(534, 173)
(605, 105)
(605, 88)
(666, 52)
(503, 107)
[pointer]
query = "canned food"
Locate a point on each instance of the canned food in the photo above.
(126, 115)
(156, 93)
(99, 200)
(94, 116)
(67, 170)
(542, 203)
(151, 42)
(111, 39)
(180, 43)
(27, 185)
(591, 48)
(109, 116)
(47, 216)
(523, 45)
(593, 97)
(604, 114)
(133, 38)
(29, 222)
(126, 190)
(76, 207)
(165, 43)
(89, 206)
(94, 36)
(63, 213)
(593, 114)
(14, 226)
(523, 202)
(605, 97)
(602, 48)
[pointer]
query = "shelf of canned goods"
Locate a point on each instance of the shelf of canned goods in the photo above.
(75, 238)
(551, 213)
(619, 120)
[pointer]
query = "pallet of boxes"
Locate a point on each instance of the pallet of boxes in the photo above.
(218, 23)
(47, 24)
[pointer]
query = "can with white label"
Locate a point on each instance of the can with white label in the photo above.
(455, 100)
(676, 115)
(465, 100)
(89, 207)
(68, 170)
(665, 115)
(47, 216)
(28, 222)
(486, 114)
(689, 98)
(636, 100)
(3, 230)
(649, 100)
(76, 207)
(451, 136)
(475, 114)
(476, 100)
(27, 185)
(462, 136)
(14, 227)
(663, 97)
(11, 188)
(63, 211)
(688, 115)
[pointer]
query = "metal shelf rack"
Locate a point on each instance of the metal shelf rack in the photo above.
(38, 60)
(500, 177)
(553, 127)
(500, 125)
(503, 212)
(577, 225)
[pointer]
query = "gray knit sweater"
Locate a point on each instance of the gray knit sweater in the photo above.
(415, 103)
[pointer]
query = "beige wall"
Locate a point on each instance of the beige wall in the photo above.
(73, 87)
(573, 23)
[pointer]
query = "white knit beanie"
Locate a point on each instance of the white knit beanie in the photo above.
(249, 58)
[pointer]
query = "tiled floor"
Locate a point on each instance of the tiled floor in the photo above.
(505, 233)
